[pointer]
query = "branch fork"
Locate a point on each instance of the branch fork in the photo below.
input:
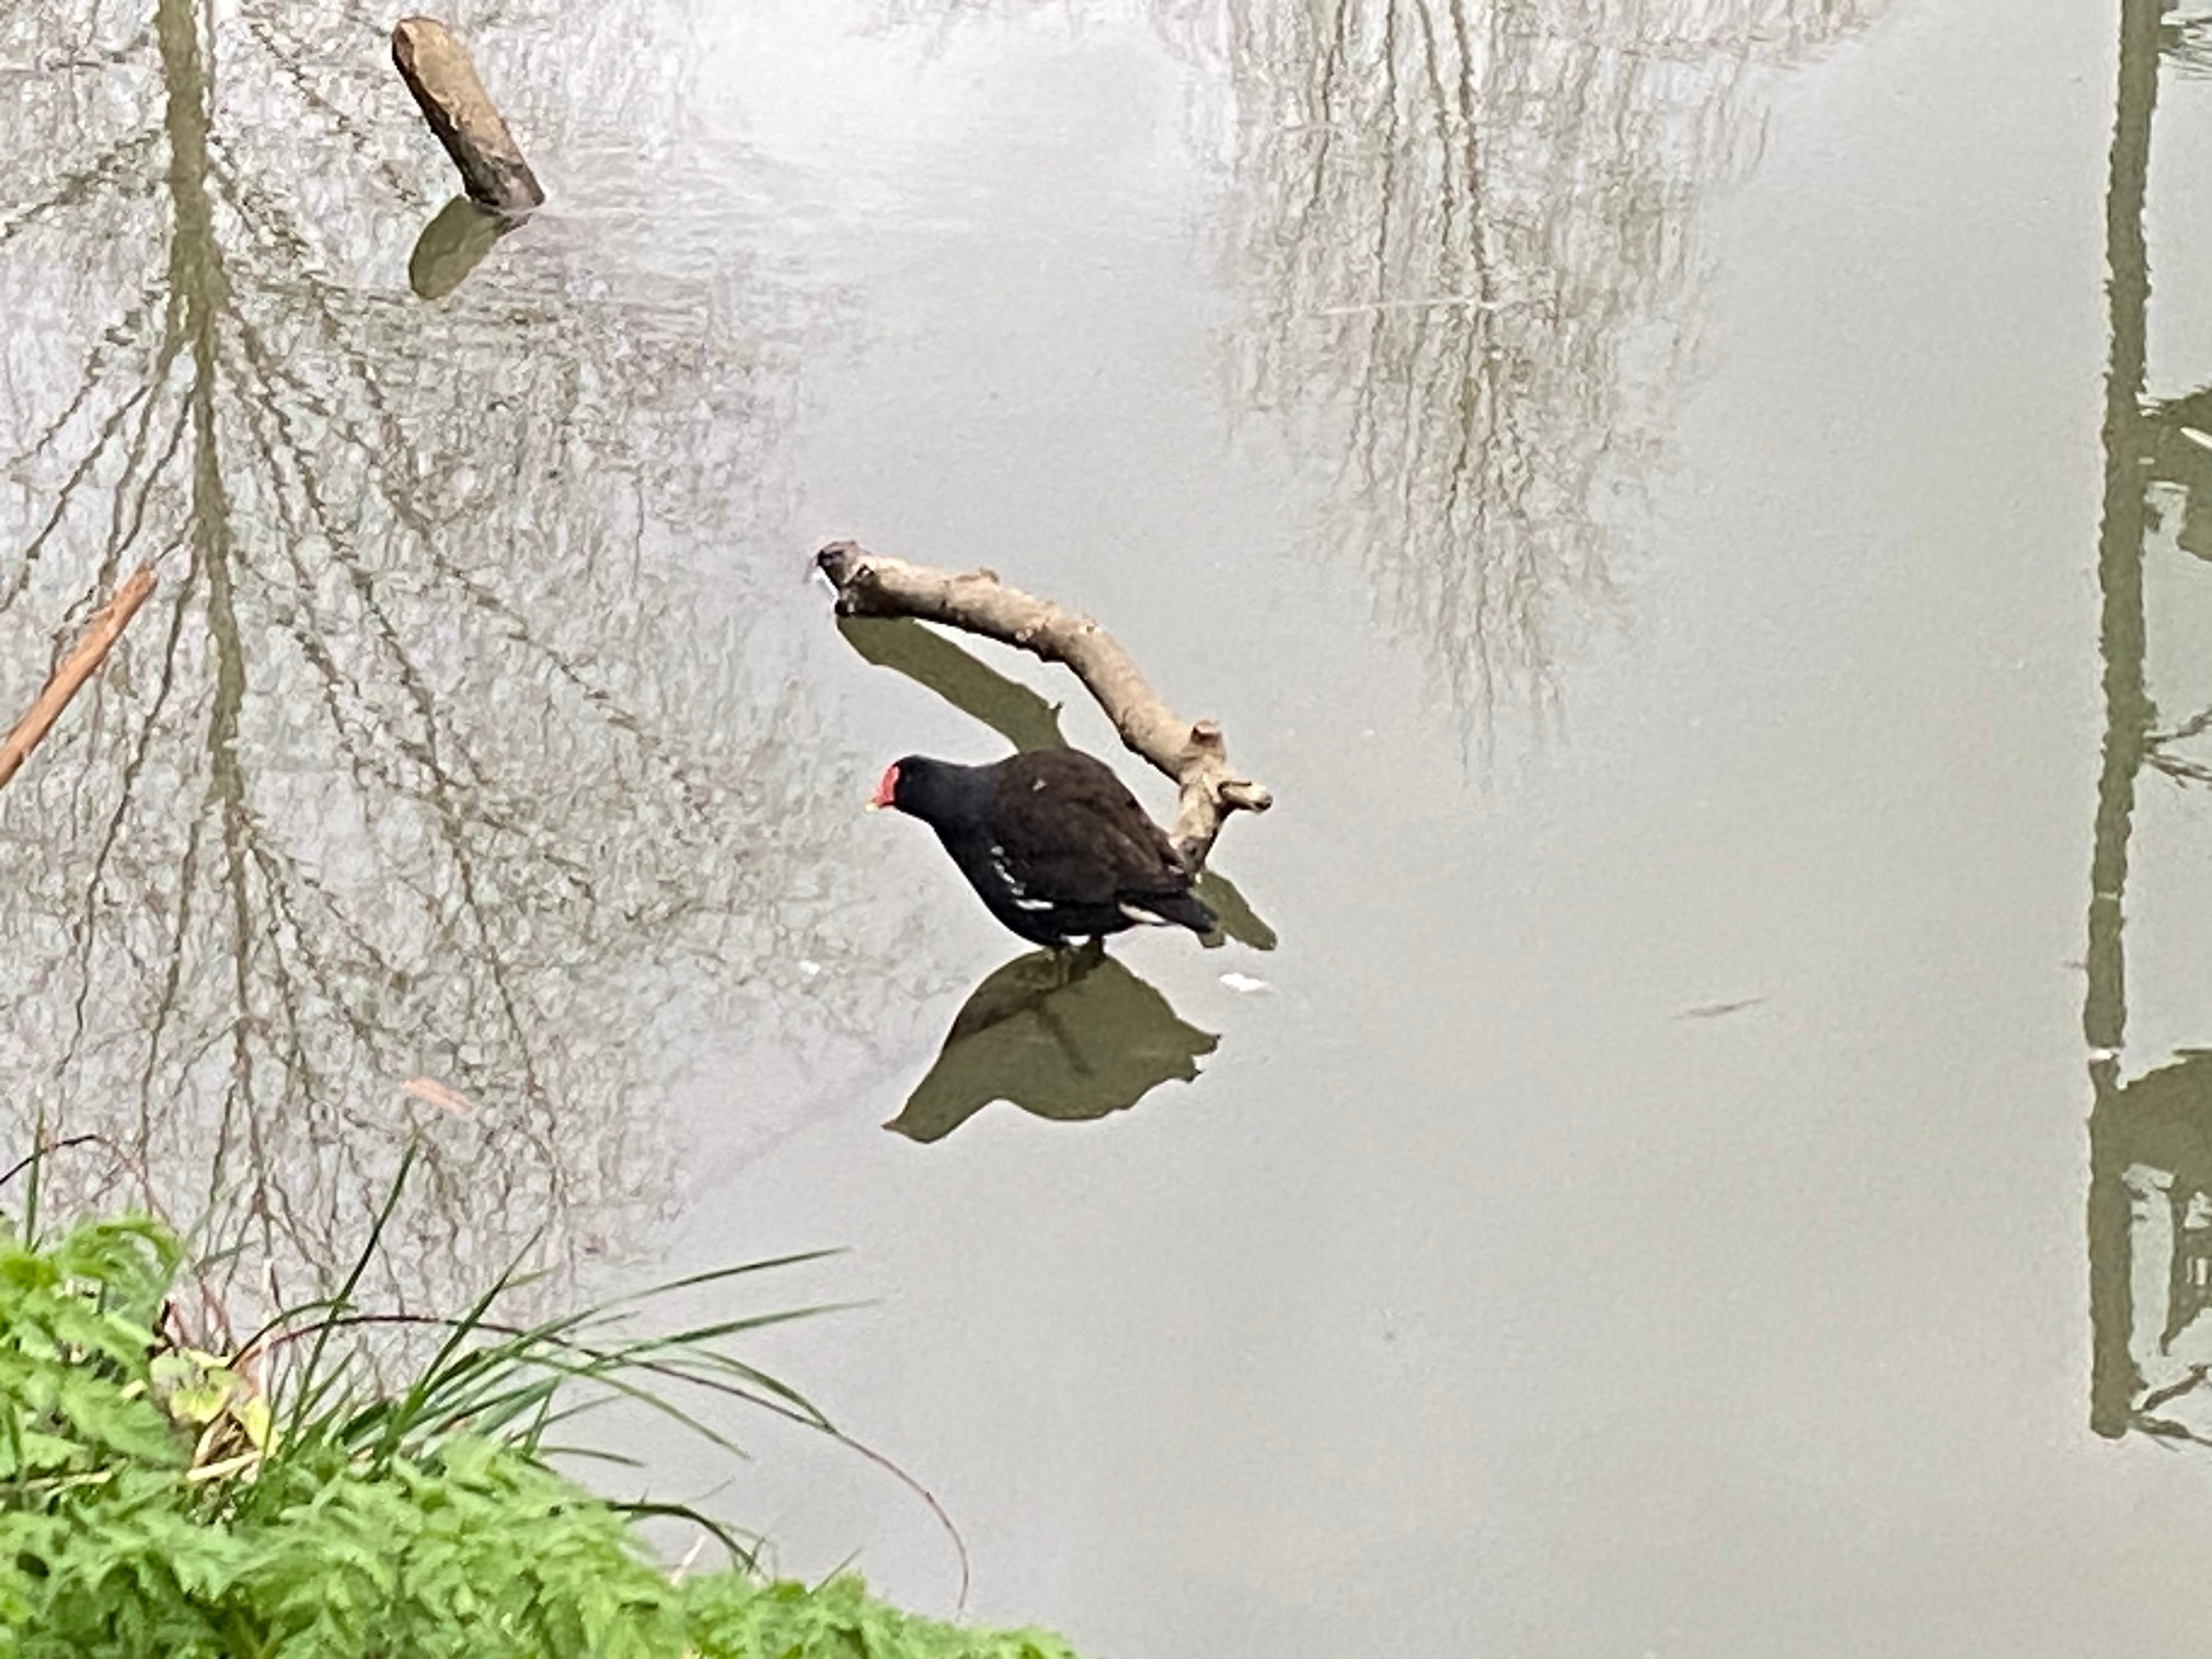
(1192, 753)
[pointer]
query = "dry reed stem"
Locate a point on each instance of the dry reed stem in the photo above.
(76, 668)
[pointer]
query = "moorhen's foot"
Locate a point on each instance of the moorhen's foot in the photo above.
(1076, 961)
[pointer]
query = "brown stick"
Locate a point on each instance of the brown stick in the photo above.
(76, 668)
(1190, 752)
(437, 68)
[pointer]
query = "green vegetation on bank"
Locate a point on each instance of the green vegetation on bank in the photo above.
(156, 1501)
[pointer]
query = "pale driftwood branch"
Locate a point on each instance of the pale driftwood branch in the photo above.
(1191, 752)
(437, 70)
(76, 668)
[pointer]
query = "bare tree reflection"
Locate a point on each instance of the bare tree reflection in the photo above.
(433, 758)
(1467, 233)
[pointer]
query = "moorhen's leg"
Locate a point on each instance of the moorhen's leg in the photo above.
(1074, 961)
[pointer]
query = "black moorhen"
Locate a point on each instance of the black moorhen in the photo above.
(1051, 841)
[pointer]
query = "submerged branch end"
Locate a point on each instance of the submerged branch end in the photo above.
(1192, 753)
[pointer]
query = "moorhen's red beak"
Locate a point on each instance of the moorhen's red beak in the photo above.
(884, 788)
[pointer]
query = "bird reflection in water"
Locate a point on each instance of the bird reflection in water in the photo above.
(1070, 1035)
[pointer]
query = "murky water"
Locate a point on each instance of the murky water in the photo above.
(1689, 506)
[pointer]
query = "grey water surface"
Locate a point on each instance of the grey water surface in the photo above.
(1689, 505)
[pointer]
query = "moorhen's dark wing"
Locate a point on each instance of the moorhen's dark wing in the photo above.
(1071, 833)
(1052, 842)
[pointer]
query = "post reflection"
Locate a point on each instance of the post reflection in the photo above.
(2150, 1208)
(453, 245)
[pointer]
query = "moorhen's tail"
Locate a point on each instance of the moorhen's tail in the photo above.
(1178, 909)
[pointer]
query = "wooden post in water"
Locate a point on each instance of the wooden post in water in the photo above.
(437, 70)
